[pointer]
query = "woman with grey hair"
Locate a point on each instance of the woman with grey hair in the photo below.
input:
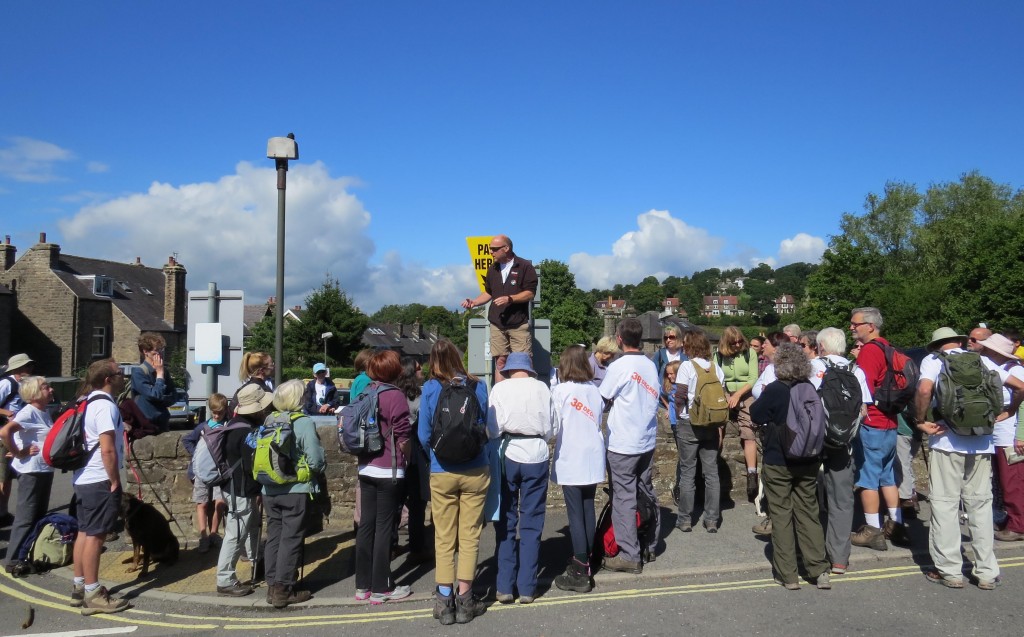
(838, 461)
(605, 350)
(790, 483)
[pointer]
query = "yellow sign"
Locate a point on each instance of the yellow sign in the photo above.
(480, 255)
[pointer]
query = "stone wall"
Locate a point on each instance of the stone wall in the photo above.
(164, 465)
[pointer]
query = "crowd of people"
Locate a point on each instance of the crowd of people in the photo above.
(596, 421)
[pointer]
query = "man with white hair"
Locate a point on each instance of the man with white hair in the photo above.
(793, 332)
(838, 461)
(875, 445)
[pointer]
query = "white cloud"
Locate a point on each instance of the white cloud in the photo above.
(661, 245)
(32, 160)
(225, 231)
(802, 247)
(97, 167)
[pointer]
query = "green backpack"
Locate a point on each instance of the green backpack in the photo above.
(710, 406)
(274, 461)
(968, 395)
(50, 550)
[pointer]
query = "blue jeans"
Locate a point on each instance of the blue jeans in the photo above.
(524, 493)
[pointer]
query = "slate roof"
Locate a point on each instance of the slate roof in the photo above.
(138, 289)
(253, 314)
(389, 336)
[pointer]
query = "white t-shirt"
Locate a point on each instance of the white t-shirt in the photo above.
(101, 416)
(1005, 430)
(35, 424)
(950, 441)
(632, 383)
(766, 378)
(818, 372)
(687, 375)
(522, 406)
(576, 410)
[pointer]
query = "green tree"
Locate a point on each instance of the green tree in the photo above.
(328, 309)
(570, 310)
(706, 280)
(762, 272)
(648, 296)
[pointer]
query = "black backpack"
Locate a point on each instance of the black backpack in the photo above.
(843, 402)
(900, 382)
(457, 433)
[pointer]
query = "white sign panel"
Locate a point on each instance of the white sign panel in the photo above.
(209, 345)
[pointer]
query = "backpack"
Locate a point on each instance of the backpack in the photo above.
(15, 385)
(64, 447)
(209, 461)
(899, 384)
(968, 395)
(359, 430)
(803, 435)
(605, 542)
(274, 461)
(710, 407)
(457, 433)
(51, 548)
(843, 401)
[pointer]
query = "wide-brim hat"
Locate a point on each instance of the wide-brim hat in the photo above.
(18, 361)
(518, 361)
(253, 399)
(1000, 345)
(944, 334)
(319, 367)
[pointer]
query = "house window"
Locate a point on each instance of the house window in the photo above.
(99, 342)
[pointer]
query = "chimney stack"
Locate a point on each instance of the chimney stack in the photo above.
(138, 260)
(175, 294)
(52, 248)
(9, 252)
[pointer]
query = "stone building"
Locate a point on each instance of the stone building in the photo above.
(73, 310)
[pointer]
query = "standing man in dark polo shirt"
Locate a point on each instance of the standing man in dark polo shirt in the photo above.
(510, 285)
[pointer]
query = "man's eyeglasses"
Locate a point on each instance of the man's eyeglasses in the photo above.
(856, 325)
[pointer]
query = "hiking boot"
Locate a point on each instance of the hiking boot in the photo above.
(824, 582)
(684, 524)
(649, 556)
(937, 578)
(751, 485)
(100, 601)
(711, 527)
(204, 544)
(77, 595)
(1006, 535)
(896, 533)
(622, 565)
(789, 586)
(444, 608)
(235, 590)
(271, 591)
(575, 578)
(911, 507)
(764, 527)
(467, 607)
(870, 537)
(288, 595)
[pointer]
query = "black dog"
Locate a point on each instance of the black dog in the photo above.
(150, 533)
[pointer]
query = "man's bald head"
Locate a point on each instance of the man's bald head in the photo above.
(977, 335)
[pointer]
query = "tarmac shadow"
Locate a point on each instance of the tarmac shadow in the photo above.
(332, 557)
(190, 563)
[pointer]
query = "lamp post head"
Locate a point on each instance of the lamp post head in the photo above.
(327, 335)
(283, 147)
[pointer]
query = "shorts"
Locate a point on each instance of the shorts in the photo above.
(97, 508)
(740, 419)
(203, 493)
(874, 451)
(515, 339)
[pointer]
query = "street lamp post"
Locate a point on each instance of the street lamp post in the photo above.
(280, 149)
(325, 336)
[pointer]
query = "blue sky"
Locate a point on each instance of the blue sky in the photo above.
(625, 139)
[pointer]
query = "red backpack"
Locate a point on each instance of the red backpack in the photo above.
(64, 447)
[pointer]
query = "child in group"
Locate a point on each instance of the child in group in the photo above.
(207, 521)
(668, 390)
